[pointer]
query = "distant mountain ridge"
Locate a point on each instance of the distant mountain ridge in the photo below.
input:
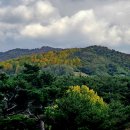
(15, 53)
(93, 60)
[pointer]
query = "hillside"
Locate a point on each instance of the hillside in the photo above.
(15, 53)
(102, 61)
(93, 60)
(70, 89)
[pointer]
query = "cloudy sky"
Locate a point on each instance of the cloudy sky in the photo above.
(65, 23)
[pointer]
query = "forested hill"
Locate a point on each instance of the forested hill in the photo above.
(93, 60)
(70, 89)
(15, 53)
(103, 60)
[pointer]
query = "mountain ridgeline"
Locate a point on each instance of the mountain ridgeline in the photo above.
(15, 53)
(93, 60)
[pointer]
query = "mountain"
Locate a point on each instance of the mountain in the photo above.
(15, 53)
(103, 61)
(93, 60)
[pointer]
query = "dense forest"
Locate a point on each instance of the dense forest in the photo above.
(93, 60)
(71, 89)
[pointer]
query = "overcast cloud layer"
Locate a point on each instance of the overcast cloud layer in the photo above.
(65, 23)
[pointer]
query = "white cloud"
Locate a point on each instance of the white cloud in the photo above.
(44, 8)
(67, 22)
(39, 11)
(84, 23)
(57, 28)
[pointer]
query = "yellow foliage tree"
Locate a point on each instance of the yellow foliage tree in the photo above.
(80, 108)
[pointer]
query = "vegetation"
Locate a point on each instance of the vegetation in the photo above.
(58, 90)
(79, 108)
(34, 95)
(94, 60)
(15, 53)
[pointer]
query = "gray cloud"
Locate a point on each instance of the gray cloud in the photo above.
(64, 23)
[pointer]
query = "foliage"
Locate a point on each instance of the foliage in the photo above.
(34, 93)
(18, 122)
(94, 60)
(79, 108)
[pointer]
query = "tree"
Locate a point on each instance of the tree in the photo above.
(30, 73)
(118, 116)
(80, 109)
(20, 100)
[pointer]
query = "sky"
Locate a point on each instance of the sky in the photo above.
(65, 24)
